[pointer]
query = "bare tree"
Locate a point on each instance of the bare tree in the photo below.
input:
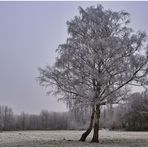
(136, 115)
(1, 118)
(35, 122)
(23, 121)
(102, 56)
(6, 118)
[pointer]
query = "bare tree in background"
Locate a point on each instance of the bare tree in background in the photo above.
(101, 57)
(1, 118)
(6, 118)
(136, 115)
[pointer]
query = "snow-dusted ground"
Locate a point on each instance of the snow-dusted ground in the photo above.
(70, 138)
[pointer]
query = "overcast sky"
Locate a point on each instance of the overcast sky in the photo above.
(30, 32)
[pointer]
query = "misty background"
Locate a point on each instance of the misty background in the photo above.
(30, 32)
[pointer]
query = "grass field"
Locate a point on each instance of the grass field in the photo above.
(70, 138)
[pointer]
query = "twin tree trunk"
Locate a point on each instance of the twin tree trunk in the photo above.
(93, 122)
(84, 135)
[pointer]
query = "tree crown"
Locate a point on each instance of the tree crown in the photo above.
(100, 58)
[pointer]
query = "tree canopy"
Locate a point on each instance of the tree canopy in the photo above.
(101, 55)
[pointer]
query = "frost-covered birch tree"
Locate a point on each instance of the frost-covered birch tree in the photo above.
(101, 57)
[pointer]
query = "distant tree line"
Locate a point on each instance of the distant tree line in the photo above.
(44, 121)
(130, 115)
